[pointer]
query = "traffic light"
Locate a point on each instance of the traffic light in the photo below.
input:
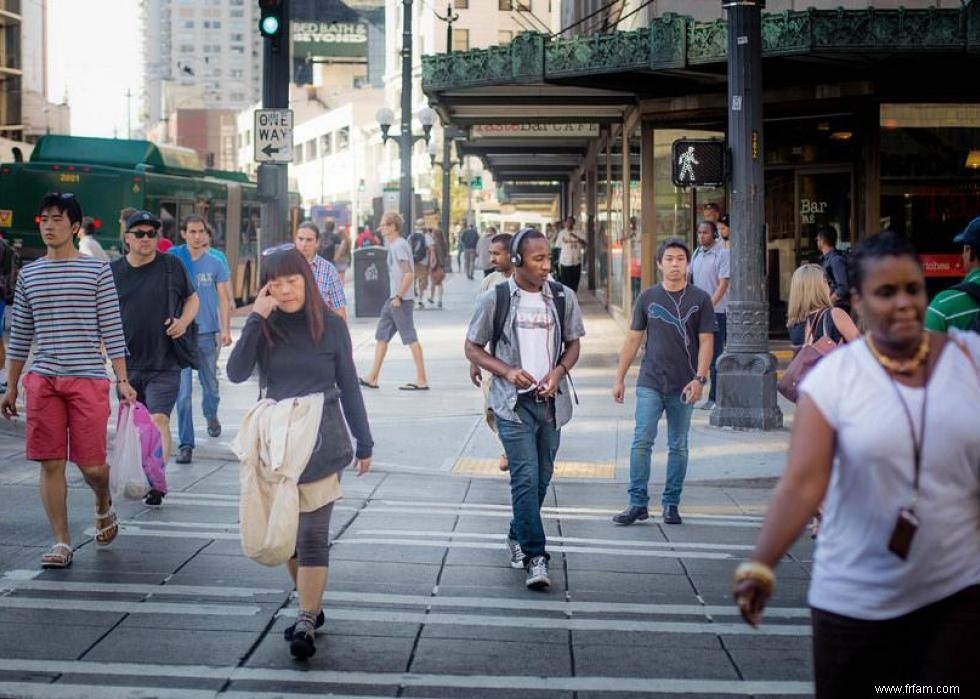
(271, 19)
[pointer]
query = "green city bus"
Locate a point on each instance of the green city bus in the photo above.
(108, 175)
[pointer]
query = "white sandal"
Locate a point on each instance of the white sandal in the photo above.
(105, 535)
(58, 556)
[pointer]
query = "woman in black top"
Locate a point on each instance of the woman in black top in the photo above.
(301, 347)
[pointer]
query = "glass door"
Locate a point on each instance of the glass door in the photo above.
(823, 199)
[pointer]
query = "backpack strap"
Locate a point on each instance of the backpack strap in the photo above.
(558, 295)
(501, 310)
(971, 289)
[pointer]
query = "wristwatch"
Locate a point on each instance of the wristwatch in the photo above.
(701, 379)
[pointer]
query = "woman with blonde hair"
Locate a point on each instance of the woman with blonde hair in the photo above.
(811, 315)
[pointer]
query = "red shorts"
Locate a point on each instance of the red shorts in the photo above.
(67, 418)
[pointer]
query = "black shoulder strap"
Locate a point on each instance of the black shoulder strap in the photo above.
(558, 293)
(500, 311)
(972, 289)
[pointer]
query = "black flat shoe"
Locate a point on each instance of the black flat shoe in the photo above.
(288, 633)
(303, 645)
(631, 514)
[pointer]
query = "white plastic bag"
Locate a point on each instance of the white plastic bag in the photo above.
(126, 478)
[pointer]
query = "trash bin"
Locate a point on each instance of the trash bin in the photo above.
(371, 284)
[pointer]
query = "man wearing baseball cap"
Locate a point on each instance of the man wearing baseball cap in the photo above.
(958, 307)
(146, 281)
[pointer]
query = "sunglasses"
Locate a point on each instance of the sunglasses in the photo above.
(60, 195)
(142, 233)
(285, 247)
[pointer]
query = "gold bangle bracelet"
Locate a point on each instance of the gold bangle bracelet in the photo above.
(757, 571)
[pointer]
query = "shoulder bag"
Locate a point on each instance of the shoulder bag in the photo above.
(185, 346)
(808, 356)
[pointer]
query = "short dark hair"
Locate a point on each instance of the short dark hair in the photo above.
(526, 235)
(193, 218)
(828, 234)
(311, 226)
(502, 238)
(283, 263)
(65, 202)
(88, 224)
(888, 243)
(712, 225)
(673, 243)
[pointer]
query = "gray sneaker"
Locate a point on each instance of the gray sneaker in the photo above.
(516, 555)
(537, 573)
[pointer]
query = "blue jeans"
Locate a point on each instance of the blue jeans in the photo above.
(721, 337)
(650, 405)
(207, 373)
(531, 445)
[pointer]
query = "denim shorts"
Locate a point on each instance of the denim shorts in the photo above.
(157, 390)
(400, 320)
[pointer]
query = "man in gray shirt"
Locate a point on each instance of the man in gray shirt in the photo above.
(396, 314)
(711, 271)
(530, 393)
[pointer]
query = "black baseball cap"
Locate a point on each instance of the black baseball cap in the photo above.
(970, 235)
(142, 217)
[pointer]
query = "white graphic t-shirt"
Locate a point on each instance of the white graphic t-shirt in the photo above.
(534, 335)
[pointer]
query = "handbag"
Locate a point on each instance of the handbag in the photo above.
(185, 346)
(126, 477)
(808, 356)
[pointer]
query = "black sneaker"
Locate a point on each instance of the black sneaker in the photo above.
(303, 643)
(288, 632)
(184, 455)
(154, 498)
(671, 515)
(631, 514)
(214, 427)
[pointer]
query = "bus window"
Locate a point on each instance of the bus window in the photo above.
(218, 219)
(251, 217)
(168, 217)
(186, 209)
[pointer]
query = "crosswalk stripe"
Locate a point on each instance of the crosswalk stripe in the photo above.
(104, 605)
(424, 505)
(510, 682)
(571, 607)
(538, 622)
(506, 514)
(602, 551)
(40, 690)
(623, 543)
(15, 583)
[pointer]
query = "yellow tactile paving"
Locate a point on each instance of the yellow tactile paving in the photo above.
(563, 469)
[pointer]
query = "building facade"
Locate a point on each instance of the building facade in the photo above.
(868, 124)
(213, 48)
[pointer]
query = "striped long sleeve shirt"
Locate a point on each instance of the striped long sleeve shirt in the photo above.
(69, 307)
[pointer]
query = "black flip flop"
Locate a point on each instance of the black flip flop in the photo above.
(413, 387)
(366, 384)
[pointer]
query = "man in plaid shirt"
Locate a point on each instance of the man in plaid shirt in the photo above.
(325, 275)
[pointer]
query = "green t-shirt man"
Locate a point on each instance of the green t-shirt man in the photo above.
(954, 308)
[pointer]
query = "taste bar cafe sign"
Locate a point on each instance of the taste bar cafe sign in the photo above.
(534, 131)
(326, 39)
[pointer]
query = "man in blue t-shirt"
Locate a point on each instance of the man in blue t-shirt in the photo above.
(210, 277)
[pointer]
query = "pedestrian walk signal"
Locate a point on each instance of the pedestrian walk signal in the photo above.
(698, 162)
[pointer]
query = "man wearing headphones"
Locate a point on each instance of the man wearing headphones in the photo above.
(539, 324)
(711, 271)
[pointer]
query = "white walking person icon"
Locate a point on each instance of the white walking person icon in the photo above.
(687, 161)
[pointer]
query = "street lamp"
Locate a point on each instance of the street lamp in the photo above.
(406, 140)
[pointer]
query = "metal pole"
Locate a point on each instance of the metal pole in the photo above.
(444, 218)
(747, 371)
(275, 95)
(405, 138)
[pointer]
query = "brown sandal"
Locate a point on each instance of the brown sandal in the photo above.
(105, 535)
(58, 556)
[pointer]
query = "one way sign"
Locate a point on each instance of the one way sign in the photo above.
(273, 135)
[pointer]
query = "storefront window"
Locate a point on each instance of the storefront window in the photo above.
(930, 180)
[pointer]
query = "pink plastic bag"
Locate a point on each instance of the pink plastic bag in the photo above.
(151, 445)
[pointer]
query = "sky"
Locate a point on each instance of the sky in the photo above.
(94, 55)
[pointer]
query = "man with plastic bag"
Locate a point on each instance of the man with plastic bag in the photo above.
(65, 303)
(151, 287)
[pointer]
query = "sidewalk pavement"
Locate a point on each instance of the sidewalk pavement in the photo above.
(432, 431)
(421, 601)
